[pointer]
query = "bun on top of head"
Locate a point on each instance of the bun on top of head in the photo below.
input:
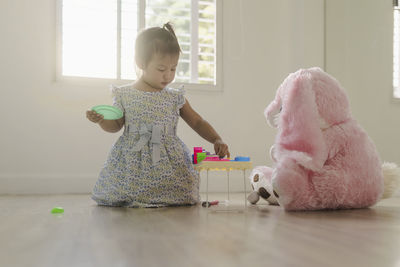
(156, 40)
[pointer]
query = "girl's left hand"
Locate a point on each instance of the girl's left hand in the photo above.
(221, 149)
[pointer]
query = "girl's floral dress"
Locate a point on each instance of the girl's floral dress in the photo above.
(148, 166)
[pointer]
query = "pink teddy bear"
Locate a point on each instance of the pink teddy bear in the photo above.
(323, 158)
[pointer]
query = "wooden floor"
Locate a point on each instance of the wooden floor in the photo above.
(261, 235)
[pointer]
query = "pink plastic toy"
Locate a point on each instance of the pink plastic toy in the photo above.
(195, 151)
(209, 203)
(216, 159)
(200, 154)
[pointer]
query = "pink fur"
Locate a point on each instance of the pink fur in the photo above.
(324, 159)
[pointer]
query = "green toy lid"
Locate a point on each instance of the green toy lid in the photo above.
(109, 112)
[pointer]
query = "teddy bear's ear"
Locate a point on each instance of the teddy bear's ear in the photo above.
(300, 136)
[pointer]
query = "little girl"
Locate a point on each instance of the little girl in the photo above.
(149, 166)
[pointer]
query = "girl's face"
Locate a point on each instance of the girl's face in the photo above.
(160, 70)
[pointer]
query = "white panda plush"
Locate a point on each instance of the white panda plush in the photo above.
(260, 180)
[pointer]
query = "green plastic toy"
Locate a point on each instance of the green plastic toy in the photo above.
(57, 210)
(201, 156)
(109, 112)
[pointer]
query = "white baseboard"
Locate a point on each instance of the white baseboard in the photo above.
(46, 184)
(83, 183)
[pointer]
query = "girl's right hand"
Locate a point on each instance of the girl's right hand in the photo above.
(93, 116)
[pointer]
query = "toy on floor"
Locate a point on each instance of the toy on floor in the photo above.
(323, 158)
(260, 180)
(57, 210)
(207, 204)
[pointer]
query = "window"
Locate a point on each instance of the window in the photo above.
(396, 49)
(97, 37)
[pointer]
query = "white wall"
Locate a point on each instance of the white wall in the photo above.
(359, 36)
(48, 146)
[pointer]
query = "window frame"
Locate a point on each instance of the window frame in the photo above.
(104, 82)
(396, 50)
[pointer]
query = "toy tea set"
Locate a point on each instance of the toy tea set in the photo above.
(205, 161)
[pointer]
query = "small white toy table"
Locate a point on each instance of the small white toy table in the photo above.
(225, 166)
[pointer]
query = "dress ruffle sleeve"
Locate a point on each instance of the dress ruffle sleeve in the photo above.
(117, 97)
(180, 99)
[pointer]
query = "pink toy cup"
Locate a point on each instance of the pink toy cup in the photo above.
(196, 149)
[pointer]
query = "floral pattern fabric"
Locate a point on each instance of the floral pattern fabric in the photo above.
(131, 176)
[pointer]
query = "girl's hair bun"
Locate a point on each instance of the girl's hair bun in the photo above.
(156, 40)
